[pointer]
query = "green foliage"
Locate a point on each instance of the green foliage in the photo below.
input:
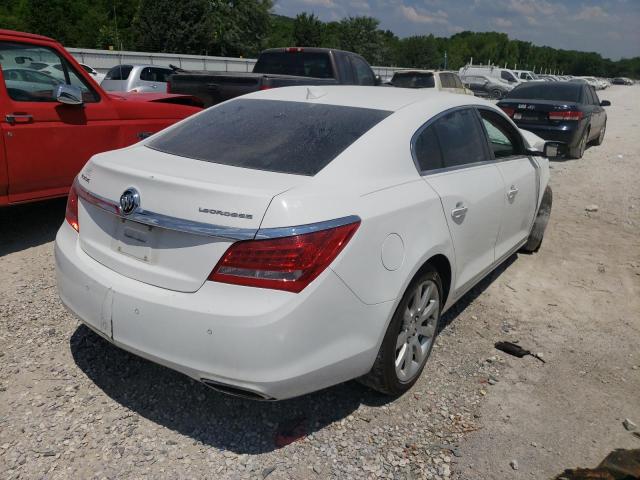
(244, 27)
(308, 31)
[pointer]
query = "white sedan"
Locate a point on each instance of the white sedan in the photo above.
(295, 238)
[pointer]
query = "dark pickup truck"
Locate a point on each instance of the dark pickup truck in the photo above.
(276, 67)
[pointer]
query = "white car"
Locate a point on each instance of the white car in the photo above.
(137, 79)
(438, 80)
(299, 237)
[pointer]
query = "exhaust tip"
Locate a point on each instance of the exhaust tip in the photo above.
(235, 391)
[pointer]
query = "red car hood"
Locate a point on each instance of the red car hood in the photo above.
(174, 98)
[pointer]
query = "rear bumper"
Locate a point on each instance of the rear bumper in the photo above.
(569, 133)
(276, 344)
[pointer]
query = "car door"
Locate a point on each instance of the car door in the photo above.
(520, 179)
(597, 112)
(452, 154)
(47, 142)
(153, 79)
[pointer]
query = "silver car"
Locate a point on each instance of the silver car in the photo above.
(137, 78)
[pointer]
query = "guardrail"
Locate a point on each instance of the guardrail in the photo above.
(103, 60)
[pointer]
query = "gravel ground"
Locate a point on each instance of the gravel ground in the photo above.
(73, 406)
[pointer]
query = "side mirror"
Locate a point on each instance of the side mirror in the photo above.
(69, 94)
(605, 103)
(550, 150)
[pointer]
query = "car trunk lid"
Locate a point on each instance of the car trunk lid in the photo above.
(189, 213)
(535, 112)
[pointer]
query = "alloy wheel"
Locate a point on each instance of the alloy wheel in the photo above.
(417, 331)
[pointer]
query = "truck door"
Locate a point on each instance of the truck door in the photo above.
(47, 142)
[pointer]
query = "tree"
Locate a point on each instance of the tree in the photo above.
(240, 27)
(361, 35)
(170, 26)
(308, 31)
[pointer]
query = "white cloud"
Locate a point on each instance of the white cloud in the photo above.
(592, 13)
(415, 16)
(502, 22)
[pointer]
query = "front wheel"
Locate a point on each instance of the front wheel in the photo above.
(497, 94)
(409, 338)
(540, 223)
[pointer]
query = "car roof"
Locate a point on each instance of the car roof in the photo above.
(378, 98)
(32, 36)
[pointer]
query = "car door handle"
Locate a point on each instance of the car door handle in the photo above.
(14, 118)
(511, 194)
(459, 212)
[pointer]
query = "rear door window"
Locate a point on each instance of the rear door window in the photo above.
(447, 81)
(426, 150)
(154, 74)
(277, 136)
(461, 139)
(303, 64)
(120, 72)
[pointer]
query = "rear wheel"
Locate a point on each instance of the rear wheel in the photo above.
(409, 338)
(600, 138)
(578, 150)
(497, 94)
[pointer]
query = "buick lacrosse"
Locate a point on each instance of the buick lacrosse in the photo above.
(295, 238)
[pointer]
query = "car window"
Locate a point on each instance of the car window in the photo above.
(507, 76)
(277, 136)
(413, 80)
(119, 72)
(364, 75)
(426, 150)
(457, 81)
(596, 99)
(154, 74)
(304, 64)
(39, 79)
(446, 79)
(503, 138)
(461, 139)
(564, 91)
(344, 68)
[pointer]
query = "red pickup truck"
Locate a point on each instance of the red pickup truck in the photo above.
(52, 123)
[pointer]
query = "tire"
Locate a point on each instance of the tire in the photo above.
(578, 151)
(497, 94)
(384, 376)
(600, 139)
(540, 223)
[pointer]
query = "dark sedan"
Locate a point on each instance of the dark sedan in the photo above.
(560, 111)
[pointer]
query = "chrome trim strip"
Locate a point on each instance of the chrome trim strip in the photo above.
(279, 232)
(147, 217)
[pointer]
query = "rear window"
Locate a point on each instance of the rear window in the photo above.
(413, 80)
(120, 72)
(302, 64)
(276, 136)
(565, 92)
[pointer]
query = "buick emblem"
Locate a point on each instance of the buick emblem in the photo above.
(129, 201)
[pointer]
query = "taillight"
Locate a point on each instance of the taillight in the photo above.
(71, 213)
(294, 49)
(265, 87)
(508, 110)
(566, 115)
(288, 263)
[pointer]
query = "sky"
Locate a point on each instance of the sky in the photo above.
(609, 27)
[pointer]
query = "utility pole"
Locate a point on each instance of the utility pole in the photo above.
(445, 59)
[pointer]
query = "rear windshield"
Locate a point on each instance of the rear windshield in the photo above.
(120, 72)
(276, 136)
(413, 80)
(302, 64)
(565, 92)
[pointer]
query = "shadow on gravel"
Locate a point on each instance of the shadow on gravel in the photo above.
(30, 225)
(181, 404)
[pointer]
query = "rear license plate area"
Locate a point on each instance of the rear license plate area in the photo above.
(526, 116)
(135, 240)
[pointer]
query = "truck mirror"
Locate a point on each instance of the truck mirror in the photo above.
(69, 94)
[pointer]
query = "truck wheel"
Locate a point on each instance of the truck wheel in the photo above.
(540, 223)
(409, 338)
(578, 150)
